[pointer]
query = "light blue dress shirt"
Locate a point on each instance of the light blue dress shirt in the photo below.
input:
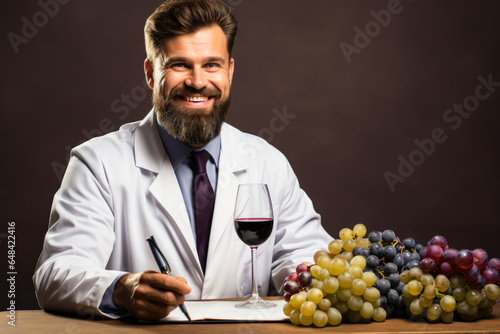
(180, 158)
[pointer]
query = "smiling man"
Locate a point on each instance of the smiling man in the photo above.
(145, 179)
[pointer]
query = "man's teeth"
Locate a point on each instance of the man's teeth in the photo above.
(196, 99)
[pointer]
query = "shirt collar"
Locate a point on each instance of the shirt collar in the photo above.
(179, 151)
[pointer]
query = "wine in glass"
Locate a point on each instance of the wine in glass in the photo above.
(253, 221)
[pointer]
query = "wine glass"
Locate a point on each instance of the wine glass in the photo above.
(253, 221)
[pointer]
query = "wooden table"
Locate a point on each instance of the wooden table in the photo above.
(37, 321)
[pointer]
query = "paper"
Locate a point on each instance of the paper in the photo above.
(225, 311)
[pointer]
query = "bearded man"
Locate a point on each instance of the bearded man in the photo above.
(123, 187)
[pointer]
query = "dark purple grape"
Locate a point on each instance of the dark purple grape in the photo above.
(291, 287)
(418, 247)
(450, 255)
(305, 278)
(398, 261)
(287, 296)
(372, 261)
(480, 257)
(472, 273)
(447, 269)
(293, 276)
(383, 285)
(494, 263)
(435, 252)
(465, 259)
(390, 268)
(438, 240)
(392, 296)
(423, 252)
(389, 252)
(375, 236)
(478, 284)
(491, 276)
(301, 268)
(428, 264)
(388, 236)
(407, 256)
(377, 250)
(394, 279)
(409, 243)
(415, 257)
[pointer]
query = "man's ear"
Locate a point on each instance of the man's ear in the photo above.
(231, 70)
(149, 73)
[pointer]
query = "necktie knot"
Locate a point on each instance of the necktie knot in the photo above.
(200, 161)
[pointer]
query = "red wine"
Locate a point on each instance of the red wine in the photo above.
(254, 231)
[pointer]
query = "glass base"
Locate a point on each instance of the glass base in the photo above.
(255, 302)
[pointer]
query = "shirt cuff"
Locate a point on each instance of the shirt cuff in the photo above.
(108, 305)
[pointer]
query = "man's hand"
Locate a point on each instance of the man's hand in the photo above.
(150, 295)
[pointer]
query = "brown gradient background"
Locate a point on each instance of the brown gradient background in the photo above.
(351, 123)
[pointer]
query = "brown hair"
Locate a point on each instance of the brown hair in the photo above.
(179, 17)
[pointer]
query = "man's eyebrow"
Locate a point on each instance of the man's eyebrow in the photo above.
(186, 60)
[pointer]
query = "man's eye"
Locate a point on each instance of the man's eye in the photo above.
(212, 65)
(179, 65)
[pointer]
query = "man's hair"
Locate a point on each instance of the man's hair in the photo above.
(180, 17)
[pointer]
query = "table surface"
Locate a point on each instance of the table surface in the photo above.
(38, 321)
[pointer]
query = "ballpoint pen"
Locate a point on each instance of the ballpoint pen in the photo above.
(164, 266)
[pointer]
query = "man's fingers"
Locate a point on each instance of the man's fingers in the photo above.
(165, 282)
(148, 292)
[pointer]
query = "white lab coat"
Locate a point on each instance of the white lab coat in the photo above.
(121, 188)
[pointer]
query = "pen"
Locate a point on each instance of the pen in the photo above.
(164, 266)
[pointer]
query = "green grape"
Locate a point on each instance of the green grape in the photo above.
(335, 247)
(287, 309)
(337, 266)
(320, 319)
(334, 316)
(457, 281)
(347, 256)
(486, 302)
(358, 287)
(434, 312)
(485, 312)
(324, 262)
(315, 295)
(429, 291)
(459, 294)
(344, 294)
(405, 277)
(307, 308)
(306, 320)
(315, 270)
(416, 273)
(358, 261)
(442, 283)
(333, 298)
(473, 297)
(323, 274)
(415, 307)
(359, 230)
(356, 272)
(342, 306)
(320, 285)
(379, 314)
(408, 300)
(355, 302)
(346, 233)
(405, 291)
(331, 284)
(313, 283)
(492, 291)
(376, 303)
(295, 317)
(345, 280)
(464, 308)
(447, 317)
(371, 294)
(325, 304)
(448, 303)
(349, 244)
(425, 302)
(415, 287)
(298, 299)
(353, 316)
(367, 310)
(369, 278)
(427, 279)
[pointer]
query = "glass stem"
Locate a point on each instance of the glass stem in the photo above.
(255, 292)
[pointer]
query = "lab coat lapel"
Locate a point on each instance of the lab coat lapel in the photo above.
(150, 154)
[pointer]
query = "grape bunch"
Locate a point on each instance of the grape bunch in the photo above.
(387, 257)
(472, 265)
(335, 288)
(450, 280)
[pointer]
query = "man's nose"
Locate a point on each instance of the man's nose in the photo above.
(196, 79)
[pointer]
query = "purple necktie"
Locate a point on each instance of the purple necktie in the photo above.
(204, 204)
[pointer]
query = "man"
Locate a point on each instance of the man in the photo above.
(123, 187)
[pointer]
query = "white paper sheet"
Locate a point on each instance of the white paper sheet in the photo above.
(225, 311)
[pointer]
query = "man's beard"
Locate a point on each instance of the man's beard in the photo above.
(195, 128)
